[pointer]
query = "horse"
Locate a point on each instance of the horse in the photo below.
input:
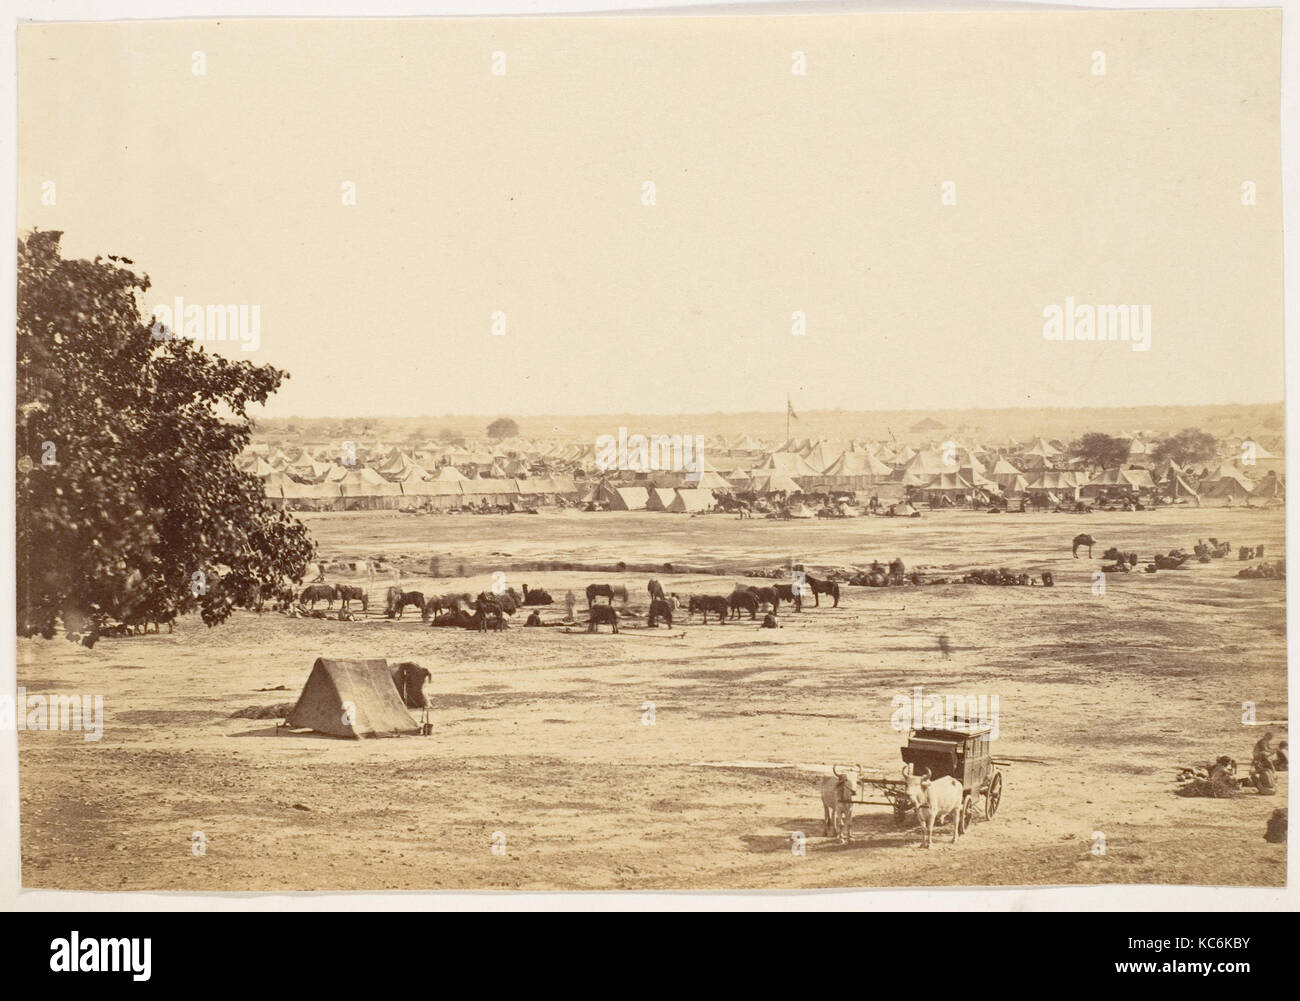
(767, 596)
(660, 608)
(828, 587)
(656, 590)
(1082, 540)
(489, 612)
(318, 592)
(348, 593)
(397, 600)
(790, 593)
(707, 603)
(602, 615)
(744, 598)
(610, 591)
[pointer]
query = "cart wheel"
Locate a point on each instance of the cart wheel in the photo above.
(994, 796)
(967, 809)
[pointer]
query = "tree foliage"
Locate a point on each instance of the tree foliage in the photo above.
(502, 427)
(1188, 445)
(1100, 450)
(130, 504)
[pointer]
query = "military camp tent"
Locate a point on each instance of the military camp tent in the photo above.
(1229, 485)
(658, 499)
(690, 501)
(624, 498)
(1118, 478)
(351, 698)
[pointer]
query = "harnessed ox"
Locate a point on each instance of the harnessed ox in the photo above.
(838, 791)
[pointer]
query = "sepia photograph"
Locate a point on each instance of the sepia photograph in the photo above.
(826, 451)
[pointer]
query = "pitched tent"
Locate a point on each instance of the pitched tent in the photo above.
(623, 498)
(351, 698)
(1231, 485)
(659, 498)
(690, 501)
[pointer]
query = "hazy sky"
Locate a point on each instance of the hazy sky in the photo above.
(775, 193)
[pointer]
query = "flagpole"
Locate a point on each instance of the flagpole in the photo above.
(787, 419)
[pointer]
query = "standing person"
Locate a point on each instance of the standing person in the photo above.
(569, 602)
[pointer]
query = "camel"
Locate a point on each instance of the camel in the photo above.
(1083, 540)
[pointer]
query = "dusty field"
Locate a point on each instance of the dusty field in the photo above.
(539, 735)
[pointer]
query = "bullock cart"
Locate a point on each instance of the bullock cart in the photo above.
(962, 752)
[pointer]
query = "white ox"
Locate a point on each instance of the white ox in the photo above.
(838, 791)
(934, 800)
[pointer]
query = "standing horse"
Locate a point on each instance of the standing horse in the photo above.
(318, 592)
(707, 603)
(348, 593)
(609, 591)
(828, 587)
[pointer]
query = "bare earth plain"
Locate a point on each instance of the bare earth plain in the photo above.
(541, 735)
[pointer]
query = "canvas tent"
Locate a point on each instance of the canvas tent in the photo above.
(351, 698)
(690, 501)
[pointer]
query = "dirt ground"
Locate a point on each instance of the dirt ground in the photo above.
(540, 739)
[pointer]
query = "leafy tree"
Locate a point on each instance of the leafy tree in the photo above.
(129, 502)
(1099, 451)
(502, 427)
(1188, 445)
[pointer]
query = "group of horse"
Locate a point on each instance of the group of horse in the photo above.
(743, 598)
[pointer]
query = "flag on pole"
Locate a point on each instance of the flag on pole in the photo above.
(789, 410)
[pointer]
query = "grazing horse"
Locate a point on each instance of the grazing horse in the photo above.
(660, 608)
(410, 679)
(707, 603)
(318, 592)
(744, 598)
(1082, 540)
(348, 593)
(610, 591)
(399, 599)
(656, 590)
(829, 587)
(602, 615)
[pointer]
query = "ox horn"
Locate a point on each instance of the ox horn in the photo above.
(836, 772)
